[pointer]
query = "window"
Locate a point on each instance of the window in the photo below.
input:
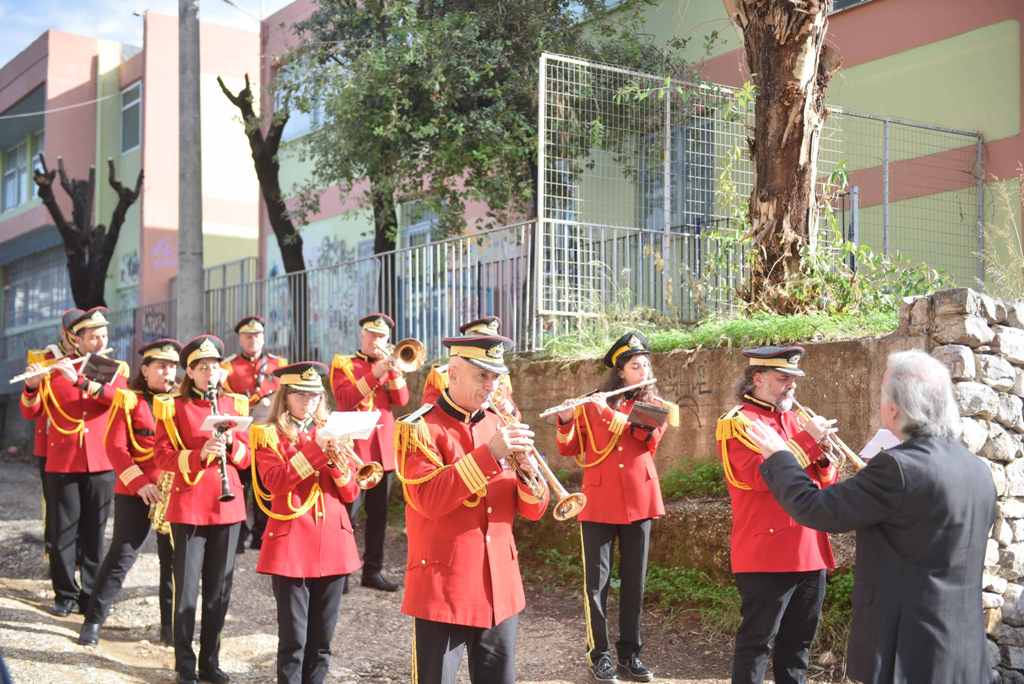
(38, 141)
(36, 289)
(840, 5)
(299, 122)
(131, 117)
(15, 182)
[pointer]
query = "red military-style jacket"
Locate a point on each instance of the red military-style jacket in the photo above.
(130, 438)
(764, 537)
(252, 378)
(619, 476)
(52, 352)
(355, 389)
(75, 421)
(462, 566)
(309, 533)
(195, 491)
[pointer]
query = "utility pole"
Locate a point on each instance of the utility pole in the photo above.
(190, 179)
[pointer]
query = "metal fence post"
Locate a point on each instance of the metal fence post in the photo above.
(854, 222)
(979, 172)
(885, 186)
(667, 209)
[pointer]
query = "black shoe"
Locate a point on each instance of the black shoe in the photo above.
(241, 547)
(603, 670)
(378, 581)
(166, 635)
(90, 634)
(62, 608)
(216, 675)
(256, 543)
(632, 668)
(187, 679)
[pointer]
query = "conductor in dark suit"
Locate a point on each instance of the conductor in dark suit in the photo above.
(922, 511)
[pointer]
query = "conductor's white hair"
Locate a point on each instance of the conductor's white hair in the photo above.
(920, 387)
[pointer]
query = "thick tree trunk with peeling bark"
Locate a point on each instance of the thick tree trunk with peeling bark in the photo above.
(791, 67)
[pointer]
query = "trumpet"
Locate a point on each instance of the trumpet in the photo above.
(408, 355)
(344, 457)
(540, 480)
(52, 364)
(578, 401)
(835, 449)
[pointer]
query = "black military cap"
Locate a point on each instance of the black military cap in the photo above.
(165, 349)
(629, 345)
(88, 320)
(483, 351)
(488, 325)
(304, 376)
(202, 347)
(783, 359)
(379, 323)
(250, 324)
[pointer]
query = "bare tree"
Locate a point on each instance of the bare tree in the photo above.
(89, 248)
(791, 66)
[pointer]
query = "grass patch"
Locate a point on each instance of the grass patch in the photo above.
(758, 329)
(697, 481)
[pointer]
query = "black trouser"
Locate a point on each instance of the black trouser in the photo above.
(634, 543)
(259, 518)
(438, 648)
(376, 503)
(47, 510)
(779, 607)
(307, 612)
(81, 506)
(131, 527)
(204, 552)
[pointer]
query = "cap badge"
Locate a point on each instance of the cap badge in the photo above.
(496, 352)
(207, 347)
(310, 374)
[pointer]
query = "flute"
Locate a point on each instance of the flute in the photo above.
(53, 364)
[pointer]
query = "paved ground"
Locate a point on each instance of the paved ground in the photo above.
(371, 643)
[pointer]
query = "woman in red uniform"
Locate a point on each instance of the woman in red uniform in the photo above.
(131, 433)
(204, 529)
(616, 451)
(308, 548)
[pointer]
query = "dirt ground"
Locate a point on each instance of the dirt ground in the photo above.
(371, 643)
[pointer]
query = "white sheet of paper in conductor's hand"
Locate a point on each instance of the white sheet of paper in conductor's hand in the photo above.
(351, 424)
(238, 423)
(882, 440)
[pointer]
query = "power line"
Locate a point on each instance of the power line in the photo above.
(4, 117)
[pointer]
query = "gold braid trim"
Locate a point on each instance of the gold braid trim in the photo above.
(126, 400)
(46, 392)
(437, 378)
(416, 436)
(35, 356)
(801, 456)
(733, 425)
(163, 410)
(265, 436)
(617, 426)
(241, 403)
(344, 364)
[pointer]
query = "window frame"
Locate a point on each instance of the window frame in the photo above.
(19, 170)
(137, 103)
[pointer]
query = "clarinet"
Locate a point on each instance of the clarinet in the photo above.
(225, 486)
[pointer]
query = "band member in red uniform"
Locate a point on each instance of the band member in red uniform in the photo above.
(615, 442)
(251, 373)
(779, 565)
(309, 547)
(204, 529)
(79, 476)
(50, 354)
(130, 436)
(437, 378)
(455, 458)
(367, 381)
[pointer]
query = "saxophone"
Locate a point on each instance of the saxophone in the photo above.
(158, 511)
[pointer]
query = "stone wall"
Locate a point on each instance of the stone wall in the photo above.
(981, 341)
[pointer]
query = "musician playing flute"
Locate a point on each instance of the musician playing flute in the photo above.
(368, 381)
(79, 476)
(455, 463)
(251, 373)
(130, 436)
(204, 529)
(309, 547)
(615, 446)
(779, 565)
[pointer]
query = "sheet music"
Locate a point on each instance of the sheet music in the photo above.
(351, 424)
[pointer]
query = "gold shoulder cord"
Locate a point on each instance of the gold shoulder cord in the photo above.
(344, 364)
(126, 400)
(617, 426)
(417, 436)
(733, 425)
(163, 410)
(265, 436)
(48, 397)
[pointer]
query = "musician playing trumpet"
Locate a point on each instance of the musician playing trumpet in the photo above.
(366, 381)
(455, 463)
(79, 476)
(130, 436)
(778, 564)
(614, 441)
(204, 528)
(309, 548)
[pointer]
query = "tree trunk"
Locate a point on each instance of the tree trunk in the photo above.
(385, 233)
(791, 66)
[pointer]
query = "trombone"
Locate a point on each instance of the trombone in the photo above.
(52, 363)
(835, 449)
(408, 355)
(343, 456)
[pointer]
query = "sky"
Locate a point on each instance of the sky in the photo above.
(22, 21)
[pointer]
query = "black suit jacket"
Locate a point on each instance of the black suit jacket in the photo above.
(922, 512)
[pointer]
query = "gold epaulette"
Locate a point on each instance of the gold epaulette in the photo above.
(35, 356)
(163, 407)
(123, 370)
(437, 378)
(733, 425)
(226, 363)
(506, 381)
(673, 413)
(283, 361)
(262, 435)
(241, 403)
(126, 399)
